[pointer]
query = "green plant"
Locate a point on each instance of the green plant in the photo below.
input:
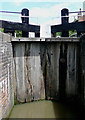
(18, 33)
(58, 33)
(1, 30)
(72, 32)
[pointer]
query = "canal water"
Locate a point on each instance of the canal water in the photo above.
(45, 109)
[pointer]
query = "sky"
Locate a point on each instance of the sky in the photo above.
(40, 11)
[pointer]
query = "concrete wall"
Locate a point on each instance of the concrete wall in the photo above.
(6, 75)
(46, 68)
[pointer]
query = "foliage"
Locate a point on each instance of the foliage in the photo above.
(18, 33)
(58, 33)
(75, 20)
(72, 32)
(1, 30)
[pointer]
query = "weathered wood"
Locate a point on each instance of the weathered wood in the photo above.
(72, 70)
(62, 70)
(19, 73)
(29, 76)
(82, 83)
(79, 26)
(46, 69)
(19, 26)
(43, 63)
(52, 70)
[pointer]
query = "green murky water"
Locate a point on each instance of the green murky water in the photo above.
(43, 109)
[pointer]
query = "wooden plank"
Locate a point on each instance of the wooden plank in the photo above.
(19, 26)
(62, 70)
(72, 70)
(29, 75)
(36, 73)
(19, 51)
(52, 70)
(79, 26)
(82, 82)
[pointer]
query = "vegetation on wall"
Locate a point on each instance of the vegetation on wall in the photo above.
(18, 33)
(1, 30)
(71, 32)
(59, 34)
